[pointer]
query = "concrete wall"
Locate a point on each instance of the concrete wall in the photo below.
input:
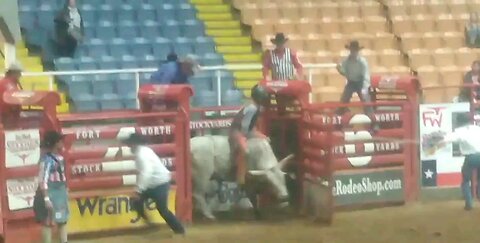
(10, 27)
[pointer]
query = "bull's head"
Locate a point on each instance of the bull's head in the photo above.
(275, 178)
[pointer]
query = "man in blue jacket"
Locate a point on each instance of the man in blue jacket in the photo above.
(174, 71)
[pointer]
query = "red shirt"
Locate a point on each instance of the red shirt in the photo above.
(267, 61)
(7, 84)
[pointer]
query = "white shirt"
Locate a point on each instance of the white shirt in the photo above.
(75, 18)
(151, 171)
(468, 138)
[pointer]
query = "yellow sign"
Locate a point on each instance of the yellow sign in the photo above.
(96, 214)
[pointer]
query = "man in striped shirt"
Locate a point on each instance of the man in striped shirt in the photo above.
(281, 61)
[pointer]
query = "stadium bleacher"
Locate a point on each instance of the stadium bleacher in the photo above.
(127, 35)
(399, 37)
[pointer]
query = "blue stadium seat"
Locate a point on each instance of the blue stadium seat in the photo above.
(212, 59)
(192, 28)
(106, 13)
(232, 97)
(149, 30)
(205, 98)
(126, 13)
(162, 2)
(27, 16)
(202, 81)
(91, 2)
(107, 62)
(140, 47)
(87, 63)
(127, 30)
(149, 61)
(204, 45)
(89, 13)
(45, 17)
(85, 103)
(185, 11)
(130, 103)
(145, 78)
(126, 86)
(171, 29)
(146, 12)
(165, 12)
(89, 32)
(110, 102)
(118, 47)
(103, 84)
(162, 47)
(226, 81)
(105, 30)
(96, 48)
(183, 46)
(79, 85)
(64, 64)
(129, 62)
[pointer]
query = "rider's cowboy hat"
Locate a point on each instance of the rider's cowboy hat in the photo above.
(279, 39)
(354, 45)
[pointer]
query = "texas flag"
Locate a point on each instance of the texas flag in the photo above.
(432, 177)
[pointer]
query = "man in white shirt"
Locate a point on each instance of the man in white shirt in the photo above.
(153, 181)
(468, 138)
(355, 69)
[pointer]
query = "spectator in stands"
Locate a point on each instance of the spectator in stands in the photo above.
(472, 30)
(355, 69)
(10, 82)
(175, 71)
(153, 182)
(68, 29)
(281, 61)
(471, 77)
(51, 200)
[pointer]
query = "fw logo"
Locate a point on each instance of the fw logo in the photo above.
(433, 117)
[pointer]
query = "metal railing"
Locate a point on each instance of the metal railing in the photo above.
(310, 68)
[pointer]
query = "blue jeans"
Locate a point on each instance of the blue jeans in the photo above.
(159, 195)
(473, 33)
(472, 162)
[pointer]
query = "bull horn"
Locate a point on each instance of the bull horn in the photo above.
(285, 161)
(257, 172)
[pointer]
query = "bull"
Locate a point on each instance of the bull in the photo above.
(211, 161)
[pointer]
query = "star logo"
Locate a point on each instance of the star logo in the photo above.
(428, 174)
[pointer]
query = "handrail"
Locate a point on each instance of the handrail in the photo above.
(144, 70)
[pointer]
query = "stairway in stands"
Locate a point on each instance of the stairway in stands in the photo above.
(33, 64)
(230, 40)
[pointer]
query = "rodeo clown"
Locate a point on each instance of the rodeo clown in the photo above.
(243, 127)
(467, 135)
(153, 181)
(50, 204)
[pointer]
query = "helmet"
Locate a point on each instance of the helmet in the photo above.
(259, 94)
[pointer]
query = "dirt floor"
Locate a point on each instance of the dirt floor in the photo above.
(444, 222)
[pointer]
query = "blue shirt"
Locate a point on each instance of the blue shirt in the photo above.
(169, 73)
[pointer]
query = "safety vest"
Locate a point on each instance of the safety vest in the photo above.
(282, 66)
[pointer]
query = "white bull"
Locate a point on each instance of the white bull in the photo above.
(211, 159)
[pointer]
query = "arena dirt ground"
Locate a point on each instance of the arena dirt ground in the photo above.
(443, 222)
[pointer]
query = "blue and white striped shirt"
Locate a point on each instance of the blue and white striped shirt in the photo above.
(52, 169)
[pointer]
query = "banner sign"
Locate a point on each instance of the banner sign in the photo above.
(368, 187)
(441, 168)
(22, 148)
(20, 192)
(95, 214)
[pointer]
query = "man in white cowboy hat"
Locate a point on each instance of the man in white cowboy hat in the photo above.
(355, 69)
(174, 71)
(10, 82)
(281, 61)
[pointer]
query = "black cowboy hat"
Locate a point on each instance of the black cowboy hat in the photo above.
(134, 139)
(51, 138)
(353, 45)
(279, 39)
